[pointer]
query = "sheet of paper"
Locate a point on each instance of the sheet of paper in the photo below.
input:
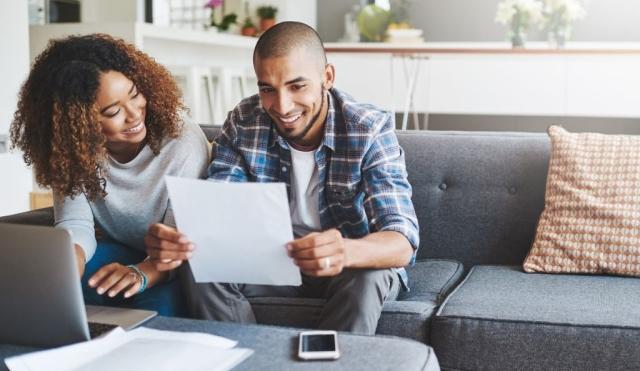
(239, 229)
(64, 358)
(141, 349)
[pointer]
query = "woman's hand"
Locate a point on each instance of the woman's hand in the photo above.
(115, 278)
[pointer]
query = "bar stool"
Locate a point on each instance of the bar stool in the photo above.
(411, 66)
(197, 88)
(216, 89)
(231, 86)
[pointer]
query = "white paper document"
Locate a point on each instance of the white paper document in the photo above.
(240, 230)
(142, 349)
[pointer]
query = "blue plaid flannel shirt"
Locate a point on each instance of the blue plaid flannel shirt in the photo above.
(363, 179)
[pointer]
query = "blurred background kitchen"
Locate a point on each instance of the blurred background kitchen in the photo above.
(511, 65)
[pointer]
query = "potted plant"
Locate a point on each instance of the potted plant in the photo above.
(248, 28)
(557, 19)
(519, 16)
(227, 20)
(267, 16)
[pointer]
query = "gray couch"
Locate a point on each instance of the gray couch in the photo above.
(478, 197)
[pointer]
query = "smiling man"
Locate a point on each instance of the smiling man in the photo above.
(350, 201)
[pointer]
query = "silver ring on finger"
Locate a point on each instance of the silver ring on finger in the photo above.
(327, 262)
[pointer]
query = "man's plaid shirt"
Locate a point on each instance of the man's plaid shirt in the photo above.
(363, 179)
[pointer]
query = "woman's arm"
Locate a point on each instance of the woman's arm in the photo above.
(75, 215)
(80, 258)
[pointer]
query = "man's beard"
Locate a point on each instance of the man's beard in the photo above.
(305, 131)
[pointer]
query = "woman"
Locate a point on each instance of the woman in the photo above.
(99, 121)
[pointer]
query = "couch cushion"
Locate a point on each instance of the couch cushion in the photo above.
(503, 318)
(432, 280)
(408, 317)
(478, 196)
(211, 131)
(42, 216)
(590, 222)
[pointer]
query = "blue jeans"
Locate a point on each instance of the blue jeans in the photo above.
(165, 297)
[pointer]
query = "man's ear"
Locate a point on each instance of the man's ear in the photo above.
(329, 76)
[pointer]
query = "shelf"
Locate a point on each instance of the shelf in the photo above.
(194, 36)
(139, 34)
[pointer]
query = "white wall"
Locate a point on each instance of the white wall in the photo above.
(294, 10)
(92, 11)
(473, 20)
(15, 178)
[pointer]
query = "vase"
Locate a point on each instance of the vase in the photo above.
(517, 39)
(557, 37)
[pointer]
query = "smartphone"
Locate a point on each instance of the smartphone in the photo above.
(318, 345)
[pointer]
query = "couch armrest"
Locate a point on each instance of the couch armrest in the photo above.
(42, 216)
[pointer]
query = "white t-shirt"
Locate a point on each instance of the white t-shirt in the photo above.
(305, 190)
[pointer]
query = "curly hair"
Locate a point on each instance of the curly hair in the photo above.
(56, 123)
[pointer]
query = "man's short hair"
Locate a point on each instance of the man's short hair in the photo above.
(285, 37)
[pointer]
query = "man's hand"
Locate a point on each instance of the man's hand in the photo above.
(319, 253)
(115, 278)
(167, 247)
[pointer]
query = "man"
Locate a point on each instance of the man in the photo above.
(350, 200)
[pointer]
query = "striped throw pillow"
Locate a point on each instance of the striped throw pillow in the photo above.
(591, 219)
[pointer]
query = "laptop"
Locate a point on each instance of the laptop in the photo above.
(41, 297)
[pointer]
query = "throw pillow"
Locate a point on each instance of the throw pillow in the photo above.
(591, 218)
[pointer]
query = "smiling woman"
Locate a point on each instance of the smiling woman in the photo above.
(123, 110)
(100, 122)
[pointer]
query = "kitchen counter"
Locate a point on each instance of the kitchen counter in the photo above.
(539, 48)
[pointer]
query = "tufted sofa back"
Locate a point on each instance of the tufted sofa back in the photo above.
(478, 196)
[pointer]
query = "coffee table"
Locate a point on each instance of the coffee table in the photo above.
(275, 348)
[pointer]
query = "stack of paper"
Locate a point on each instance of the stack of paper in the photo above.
(140, 349)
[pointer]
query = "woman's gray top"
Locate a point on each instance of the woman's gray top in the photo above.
(137, 195)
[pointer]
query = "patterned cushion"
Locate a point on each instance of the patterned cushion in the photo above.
(591, 219)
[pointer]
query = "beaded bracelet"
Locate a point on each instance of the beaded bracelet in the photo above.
(143, 277)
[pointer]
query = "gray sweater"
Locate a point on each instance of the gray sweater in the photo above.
(137, 195)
